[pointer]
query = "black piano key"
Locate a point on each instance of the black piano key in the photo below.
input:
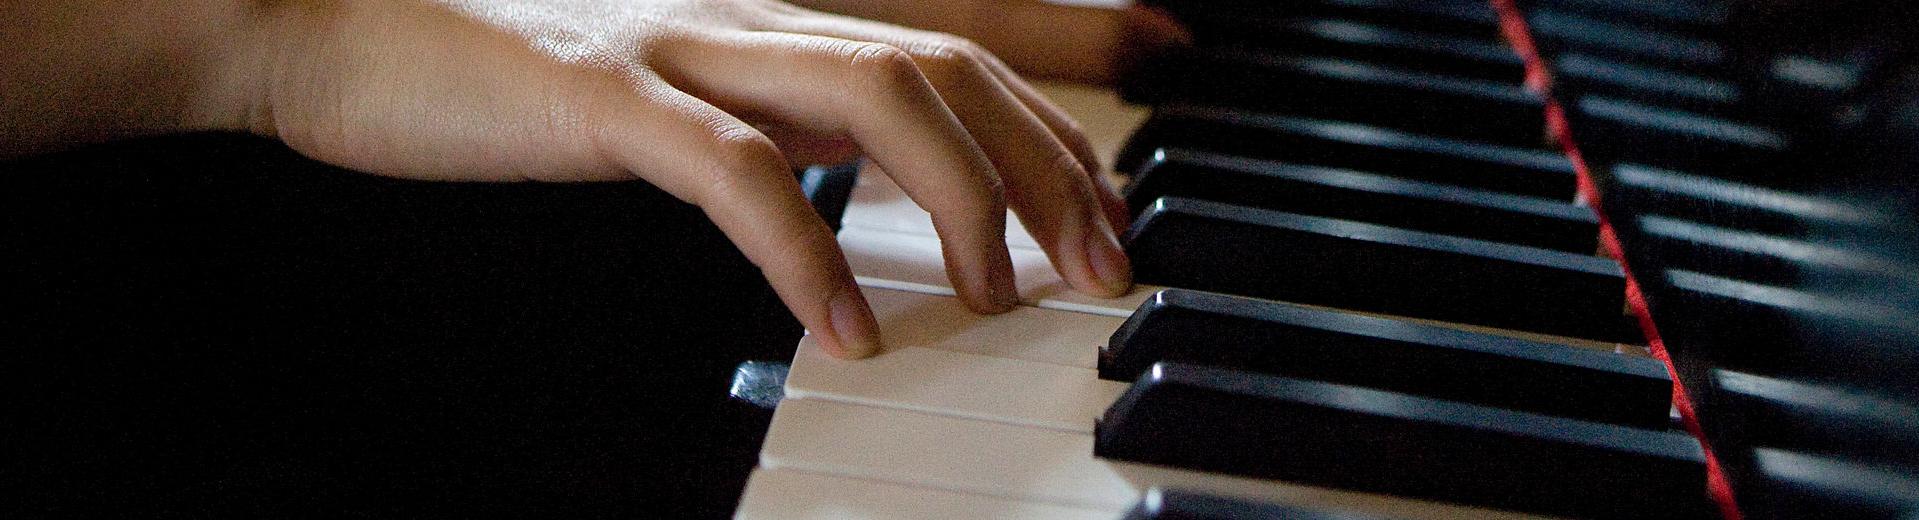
(1739, 205)
(1227, 421)
(1784, 331)
(1580, 73)
(1391, 46)
(1377, 199)
(1182, 505)
(1558, 30)
(1501, 112)
(828, 188)
(1792, 484)
(1474, 18)
(1670, 13)
(1388, 354)
(1834, 417)
(1615, 130)
(1519, 171)
(1766, 258)
(1245, 251)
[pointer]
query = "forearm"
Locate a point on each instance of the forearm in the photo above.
(91, 70)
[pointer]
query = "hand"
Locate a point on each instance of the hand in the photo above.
(711, 100)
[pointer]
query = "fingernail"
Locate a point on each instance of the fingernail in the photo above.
(1115, 272)
(853, 323)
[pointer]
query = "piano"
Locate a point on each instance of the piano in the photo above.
(1419, 259)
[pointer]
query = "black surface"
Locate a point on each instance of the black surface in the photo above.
(1502, 111)
(1387, 354)
(1181, 505)
(1365, 197)
(1472, 18)
(1230, 249)
(212, 326)
(1375, 43)
(1519, 171)
(1349, 437)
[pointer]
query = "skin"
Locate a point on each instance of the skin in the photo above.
(711, 100)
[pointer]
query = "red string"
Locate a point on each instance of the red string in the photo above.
(1538, 78)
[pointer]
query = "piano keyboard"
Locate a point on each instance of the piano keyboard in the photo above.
(1377, 295)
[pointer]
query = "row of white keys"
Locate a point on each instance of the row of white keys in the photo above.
(1021, 464)
(798, 495)
(912, 262)
(988, 414)
(878, 203)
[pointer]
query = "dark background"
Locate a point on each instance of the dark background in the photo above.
(210, 325)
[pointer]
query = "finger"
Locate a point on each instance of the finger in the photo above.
(738, 178)
(1068, 131)
(875, 94)
(1047, 185)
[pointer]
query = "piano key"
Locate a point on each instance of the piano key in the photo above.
(1764, 258)
(1615, 130)
(1502, 112)
(1557, 30)
(1793, 484)
(879, 203)
(1580, 73)
(1218, 420)
(1473, 18)
(957, 384)
(1838, 418)
(1041, 335)
(1181, 505)
(1021, 463)
(912, 262)
(1518, 171)
(828, 188)
(1280, 339)
(1349, 39)
(775, 494)
(1785, 331)
(1700, 13)
(1274, 255)
(1365, 197)
(1741, 205)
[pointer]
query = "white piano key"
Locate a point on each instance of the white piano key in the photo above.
(911, 262)
(878, 203)
(775, 494)
(909, 319)
(957, 384)
(1022, 463)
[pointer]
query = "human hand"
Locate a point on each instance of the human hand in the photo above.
(712, 101)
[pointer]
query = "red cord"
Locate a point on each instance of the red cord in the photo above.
(1539, 78)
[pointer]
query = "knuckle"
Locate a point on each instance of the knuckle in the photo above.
(890, 66)
(947, 56)
(744, 154)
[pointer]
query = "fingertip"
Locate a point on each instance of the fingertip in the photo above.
(1109, 265)
(855, 331)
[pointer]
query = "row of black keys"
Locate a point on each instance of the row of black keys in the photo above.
(1376, 243)
(1275, 390)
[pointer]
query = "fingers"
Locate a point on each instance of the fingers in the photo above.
(1069, 133)
(875, 94)
(737, 176)
(1048, 183)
